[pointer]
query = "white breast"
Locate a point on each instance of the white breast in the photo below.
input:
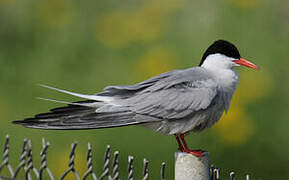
(222, 69)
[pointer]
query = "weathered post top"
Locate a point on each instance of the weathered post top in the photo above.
(190, 167)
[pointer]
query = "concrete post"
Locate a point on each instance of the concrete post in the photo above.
(190, 167)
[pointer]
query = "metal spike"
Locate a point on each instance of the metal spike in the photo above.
(6, 150)
(30, 166)
(247, 177)
(89, 164)
(130, 168)
(71, 163)
(43, 166)
(106, 163)
(72, 155)
(212, 172)
(115, 170)
(163, 177)
(232, 176)
(22, 158)
(145, 169)
(217, 174)
(6, 157)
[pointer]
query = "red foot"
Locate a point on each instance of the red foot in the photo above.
(198, 153)
(183, 147)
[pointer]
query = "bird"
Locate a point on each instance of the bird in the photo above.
(175, 103)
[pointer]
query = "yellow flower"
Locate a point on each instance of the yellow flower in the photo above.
(254, 85)
(62, 160)
(237, 126)
(143, 24)
(55, 13)
(156, 61)
(115, 29)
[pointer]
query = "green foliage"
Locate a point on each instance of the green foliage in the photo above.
(85, 46)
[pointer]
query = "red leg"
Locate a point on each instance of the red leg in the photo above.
(184, 141)
(181, 148)
(198, 153)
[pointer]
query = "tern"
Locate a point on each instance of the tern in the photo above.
(173, 103)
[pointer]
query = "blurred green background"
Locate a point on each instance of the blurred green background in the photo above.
(84, 46)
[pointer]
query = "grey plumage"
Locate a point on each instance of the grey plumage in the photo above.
(173, 102)
(176, 102)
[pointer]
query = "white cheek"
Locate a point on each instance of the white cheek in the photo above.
(219, 61)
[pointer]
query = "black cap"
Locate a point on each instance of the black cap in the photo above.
(221, 47)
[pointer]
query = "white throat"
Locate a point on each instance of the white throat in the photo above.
(222, 69)
(218, 61)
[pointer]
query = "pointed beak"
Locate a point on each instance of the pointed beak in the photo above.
(244, 62)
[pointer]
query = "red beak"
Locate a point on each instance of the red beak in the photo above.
(244, 62)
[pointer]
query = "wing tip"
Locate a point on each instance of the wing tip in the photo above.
(17, 122)
(23, 122)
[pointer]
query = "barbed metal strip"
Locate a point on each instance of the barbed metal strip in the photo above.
(26, 163)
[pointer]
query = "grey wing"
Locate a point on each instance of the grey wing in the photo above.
(127, 91)
(78, 117)
(171, 95)
(177, 96)
(94, 113)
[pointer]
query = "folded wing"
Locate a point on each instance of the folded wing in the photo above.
(172, 95)
(177, 96)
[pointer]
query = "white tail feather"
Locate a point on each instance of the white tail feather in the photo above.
(85, 96)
